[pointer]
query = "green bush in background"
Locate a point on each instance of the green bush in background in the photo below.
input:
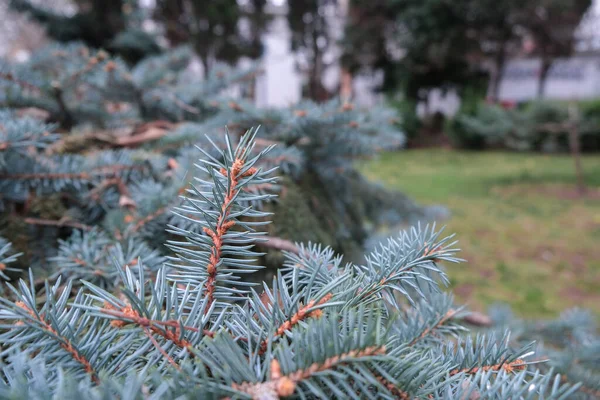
(532, 127)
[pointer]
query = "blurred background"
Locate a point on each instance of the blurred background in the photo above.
(499, 101)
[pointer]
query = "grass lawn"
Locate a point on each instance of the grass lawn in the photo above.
(529, 241)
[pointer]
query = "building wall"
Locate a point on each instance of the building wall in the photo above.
(280, 84)
(572, 78)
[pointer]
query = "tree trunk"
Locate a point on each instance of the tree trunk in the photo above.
(425, 101)
(205, 65)
(316, 70)
(170, 12)
(575, 148)
(499, 61)
(110, 17)
(545, 68)
(345, 84)
(203, 53)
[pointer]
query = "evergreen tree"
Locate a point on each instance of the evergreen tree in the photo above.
(149, 292)
(117, 152)
(195, 329)
(114, 25)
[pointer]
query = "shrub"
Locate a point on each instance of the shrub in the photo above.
(409, 121)
(526, 128)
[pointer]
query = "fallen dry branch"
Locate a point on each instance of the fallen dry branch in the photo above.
(478, 319)
(145, 133)
(58, 223)
(279, 244)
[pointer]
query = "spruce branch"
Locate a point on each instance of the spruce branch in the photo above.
(23, 134)
(149, 316)
(501, 385)
(223, 222)
(65, 343)
(442, 320)
(271, 316)
(170, 329)
(96, 257)
(396, 392)
(7, 256)
(55, 331)
(508, 367)
(101, 171)
(9, 76)
(193, 327)
(285, 385)
(149, 218)
(486, 353)
(213, 256)
(407, 265)
(58, 223)
(310, 310)
(312, 265)
(429, 321)
(127, 315)
(355, 346)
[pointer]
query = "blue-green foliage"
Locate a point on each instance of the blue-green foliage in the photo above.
(538, 126)
(150, 292)
(570, 344)
(319, 330)
(98, 174)
(7, 256)
(93, 255)
(212, 205)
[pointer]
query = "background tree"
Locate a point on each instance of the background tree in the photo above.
(552, 25)
(370, 37)
(440, 44)
(496, 24)
(312, 38)
(220, 30)
(367, 37)
(114, 25)
(420, 45)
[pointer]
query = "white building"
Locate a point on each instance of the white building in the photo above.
(281, 83)
(577, 77)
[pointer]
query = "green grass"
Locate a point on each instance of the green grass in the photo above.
(527, 241)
